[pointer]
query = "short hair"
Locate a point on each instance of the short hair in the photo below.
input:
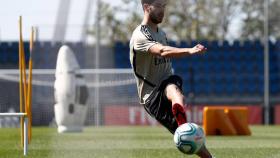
(147, 1)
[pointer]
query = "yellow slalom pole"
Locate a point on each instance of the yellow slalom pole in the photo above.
(20, 80)
(24, 74)
(24, 77)
(29, 94)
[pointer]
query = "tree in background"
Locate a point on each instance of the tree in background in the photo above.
(200, 19)
(274, 19)
(253, 19)
(118, 22)
(193, 20)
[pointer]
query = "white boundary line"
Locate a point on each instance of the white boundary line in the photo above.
(25, 128)
(8, 74)
(12, 114)
(81, 71)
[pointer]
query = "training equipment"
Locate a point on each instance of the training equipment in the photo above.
(71, 93)
(189, 138)
(226, 120)
(117, 90)
(25, 92)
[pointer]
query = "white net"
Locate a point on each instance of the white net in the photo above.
(116, 89)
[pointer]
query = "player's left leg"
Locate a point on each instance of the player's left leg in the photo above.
(204, 153)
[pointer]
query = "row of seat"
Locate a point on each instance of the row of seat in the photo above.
(225, 69)
(231, 84)
(239, 55)
(45, 56)
(251, 45)
(9, 52)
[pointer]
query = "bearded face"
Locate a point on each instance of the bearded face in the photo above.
(156, 11)
(156, 17)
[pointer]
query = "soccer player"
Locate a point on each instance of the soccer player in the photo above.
(160, 92)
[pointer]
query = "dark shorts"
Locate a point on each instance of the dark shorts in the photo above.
(160, 107)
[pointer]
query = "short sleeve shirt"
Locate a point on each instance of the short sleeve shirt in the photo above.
(150, 70)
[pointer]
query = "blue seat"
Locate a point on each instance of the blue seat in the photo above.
(257, 45)
(204, 43)
(214, 46)
(13, 52)
(184, 44)
(247, 44)
(4, 52)
(172, 43)
(236, 45)
(118, 45)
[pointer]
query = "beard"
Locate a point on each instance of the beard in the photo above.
(155, 18)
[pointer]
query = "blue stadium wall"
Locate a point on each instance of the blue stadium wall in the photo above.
(227, 73)
(44, 57)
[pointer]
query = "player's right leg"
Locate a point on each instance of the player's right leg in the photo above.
(176, 97)
(160, 107)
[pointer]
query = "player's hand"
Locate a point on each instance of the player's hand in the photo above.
(198, 49)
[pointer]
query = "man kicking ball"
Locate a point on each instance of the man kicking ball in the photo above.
(159, 90)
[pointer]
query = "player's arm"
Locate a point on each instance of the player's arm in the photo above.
(173, 52)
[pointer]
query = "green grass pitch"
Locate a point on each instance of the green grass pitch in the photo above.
(135, 142)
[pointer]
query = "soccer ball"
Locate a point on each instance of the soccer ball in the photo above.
(189, 138)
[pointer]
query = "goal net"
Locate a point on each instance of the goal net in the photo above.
(112, 100)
